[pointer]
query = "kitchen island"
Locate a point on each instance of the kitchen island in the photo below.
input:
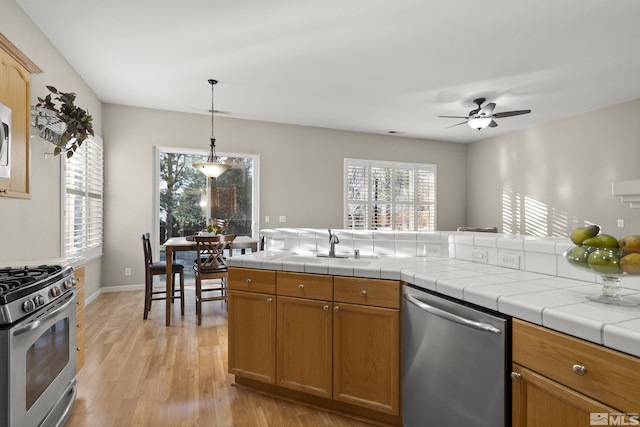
(536, 287)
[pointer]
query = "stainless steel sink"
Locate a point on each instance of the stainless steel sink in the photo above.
(310, 259)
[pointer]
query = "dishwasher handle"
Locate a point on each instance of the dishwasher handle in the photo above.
(450, 316)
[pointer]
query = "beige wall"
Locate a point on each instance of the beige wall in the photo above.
(301, 172)
(564, 169)
(32, 227)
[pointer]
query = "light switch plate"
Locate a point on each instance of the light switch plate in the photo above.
(479, 255)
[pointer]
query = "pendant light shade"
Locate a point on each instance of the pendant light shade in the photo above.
(212, 168)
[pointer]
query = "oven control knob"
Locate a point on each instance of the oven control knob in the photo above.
(28, 306)
(68, 284)
(55, 291)
(38, 300)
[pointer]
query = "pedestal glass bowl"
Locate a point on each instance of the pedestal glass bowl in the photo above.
(605, 263)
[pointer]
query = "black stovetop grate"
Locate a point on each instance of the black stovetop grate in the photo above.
(12, 279)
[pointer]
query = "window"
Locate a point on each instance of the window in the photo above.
(382, 195)
(82, 195)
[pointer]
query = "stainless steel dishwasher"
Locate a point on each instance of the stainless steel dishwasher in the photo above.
(455, 363)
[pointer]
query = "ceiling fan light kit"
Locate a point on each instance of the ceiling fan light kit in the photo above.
(212, 168)
(483, 117)
(479, 122)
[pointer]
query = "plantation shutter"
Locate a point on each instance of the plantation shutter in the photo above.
(389, 195)
(83, 177)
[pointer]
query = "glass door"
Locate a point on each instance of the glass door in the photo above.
(188, 201)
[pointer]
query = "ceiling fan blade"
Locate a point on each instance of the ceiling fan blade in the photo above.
(458, 124)
(455, 117)
(493, 124)
(510, 113)
(487, 109)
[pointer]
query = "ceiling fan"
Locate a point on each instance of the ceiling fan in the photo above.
(483, 117)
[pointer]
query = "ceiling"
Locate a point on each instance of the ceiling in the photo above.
(375, 66)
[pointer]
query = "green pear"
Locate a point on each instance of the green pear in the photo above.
(604, 261)
(577, 256)
(603, 241)
(580, 234)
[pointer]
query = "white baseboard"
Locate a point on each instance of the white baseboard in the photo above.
(88, 300)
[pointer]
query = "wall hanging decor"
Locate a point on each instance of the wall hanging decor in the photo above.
(58, 120)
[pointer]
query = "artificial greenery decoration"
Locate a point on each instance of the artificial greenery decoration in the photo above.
(74, 124)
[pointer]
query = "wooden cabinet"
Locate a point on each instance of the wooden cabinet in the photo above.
(325, 340)
(252, 324)
(305, 329)
(15, 78)
(562, 380)
(80, 350)
(366, 343)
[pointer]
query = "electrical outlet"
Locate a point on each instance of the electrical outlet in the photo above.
(432, 250)
(479, 255)
(283, 218)
(510, 261)
(127, 272)
(266, 218)
(621, 223)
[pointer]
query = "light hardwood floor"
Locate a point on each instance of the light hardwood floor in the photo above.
(141, 373)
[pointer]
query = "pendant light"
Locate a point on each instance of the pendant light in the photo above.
(212, 168)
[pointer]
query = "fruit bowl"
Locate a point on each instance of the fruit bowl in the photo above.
(605, 262)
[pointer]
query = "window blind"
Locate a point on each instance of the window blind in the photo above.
(389, 195)
(83, 178)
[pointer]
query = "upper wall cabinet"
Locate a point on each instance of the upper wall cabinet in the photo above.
(15, 114)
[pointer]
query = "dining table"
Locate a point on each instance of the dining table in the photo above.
(177, 244)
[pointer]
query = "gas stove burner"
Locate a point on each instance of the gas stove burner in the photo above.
(24, 280)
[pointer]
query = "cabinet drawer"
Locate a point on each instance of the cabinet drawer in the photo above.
(376, 292)
(252, 280)
(611, 377)
(80, 299)
(313, 286)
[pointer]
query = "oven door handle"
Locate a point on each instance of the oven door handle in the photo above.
(35, 324)
(450, 316)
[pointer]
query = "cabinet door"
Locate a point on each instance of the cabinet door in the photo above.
(252, 335)
(540, 402)
(304, 345)
(366, 355)
(14, 93)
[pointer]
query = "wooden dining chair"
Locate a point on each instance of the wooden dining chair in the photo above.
(210, 265)
(156, 269)
(222, 225)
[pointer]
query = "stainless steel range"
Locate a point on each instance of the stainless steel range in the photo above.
(37, 345)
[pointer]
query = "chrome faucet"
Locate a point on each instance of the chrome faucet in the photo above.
(333, 239)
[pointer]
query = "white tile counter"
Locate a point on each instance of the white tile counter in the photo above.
(555, 302)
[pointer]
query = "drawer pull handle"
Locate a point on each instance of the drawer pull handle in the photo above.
(269, 300)
(300, 286)
(336, 308)
(579, 370)
(364, 293)
(326, 308)
(249, 280)
(516, 376)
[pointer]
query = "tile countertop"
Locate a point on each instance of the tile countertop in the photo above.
(554, 302)
(74, 262)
